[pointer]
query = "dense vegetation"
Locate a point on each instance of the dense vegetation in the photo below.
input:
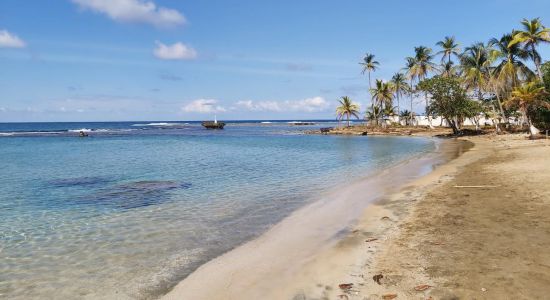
(503, 80)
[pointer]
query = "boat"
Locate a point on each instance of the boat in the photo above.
(213, 124)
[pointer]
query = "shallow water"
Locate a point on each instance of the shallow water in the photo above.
(131, 210)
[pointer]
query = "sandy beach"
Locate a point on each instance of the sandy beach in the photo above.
(475, 227)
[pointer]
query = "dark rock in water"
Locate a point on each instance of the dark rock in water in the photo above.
(135, 194)
(78, 181)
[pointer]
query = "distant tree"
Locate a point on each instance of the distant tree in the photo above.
(449, 100)
(347, 109)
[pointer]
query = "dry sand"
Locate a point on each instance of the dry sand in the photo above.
(490, 241)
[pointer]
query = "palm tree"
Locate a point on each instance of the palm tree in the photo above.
(347, 108)
(509, 69)
(448, 69)
(449, 47)
(410, 68)
(399, 86)
(534, 33)
(423, 66)
(527, 96)
(373, 113)
(408, 116)
(423, 62)
(369, 65)
(382, 95)
(475, 65)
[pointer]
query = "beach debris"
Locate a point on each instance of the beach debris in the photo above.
(483, 289)
(343, 296)
(436, 243)
(385, 218)
(476, 186)
(389, 296)
(422, 287)
(371, 240)
(345, 286)
(377, 278)
(355, 231)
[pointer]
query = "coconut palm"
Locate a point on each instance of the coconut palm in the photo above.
(527, 96)
(382, 94)
(373, 113)
(448, 69)
(423, 66)
(509, 69)
(410, 69)
(475, 65)
(369, 65)
(399, 86)
(533, 34)
(407, 116)
(449, 47)
(347, 108)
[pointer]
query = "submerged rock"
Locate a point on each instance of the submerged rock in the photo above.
(135, 194)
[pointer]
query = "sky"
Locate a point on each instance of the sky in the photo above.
(117, 60)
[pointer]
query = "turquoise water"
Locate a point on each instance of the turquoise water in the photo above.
(134, 208)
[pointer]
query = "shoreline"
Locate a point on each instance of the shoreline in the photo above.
(274, 259)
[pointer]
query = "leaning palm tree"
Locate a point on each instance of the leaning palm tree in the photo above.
(399, 86)
(449, 47)
(527, 96)
(347, 109)
(534, 33)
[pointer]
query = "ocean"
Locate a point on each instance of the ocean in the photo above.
(135, 207)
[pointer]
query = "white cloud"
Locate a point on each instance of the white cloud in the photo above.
(136, 11)
(203, 106)
(10, 40)
(315, 104)
(175, 51)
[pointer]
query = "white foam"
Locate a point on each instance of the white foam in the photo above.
(79, 130)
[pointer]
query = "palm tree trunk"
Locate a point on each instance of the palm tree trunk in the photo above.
(348, 119)
(536, 61)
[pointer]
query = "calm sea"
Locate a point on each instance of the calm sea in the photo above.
(133, 208)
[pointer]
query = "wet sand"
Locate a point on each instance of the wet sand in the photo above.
(275, 265)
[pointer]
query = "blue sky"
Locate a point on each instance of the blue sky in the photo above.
(101, 60)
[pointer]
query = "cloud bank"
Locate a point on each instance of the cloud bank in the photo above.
(177, 51)
(203, 106)
(315, 104)
(10, 40)
(134, 11)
